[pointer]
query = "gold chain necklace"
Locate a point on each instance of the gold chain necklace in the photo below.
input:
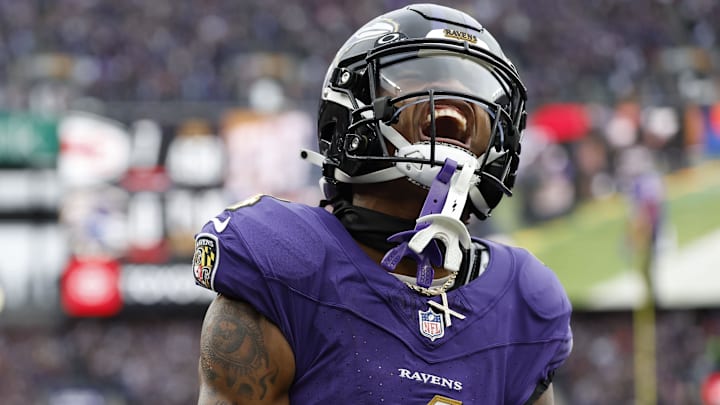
(434, 291)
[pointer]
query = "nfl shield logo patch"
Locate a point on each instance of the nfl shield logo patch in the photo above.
(431, 324)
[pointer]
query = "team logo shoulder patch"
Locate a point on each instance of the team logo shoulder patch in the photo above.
(431, 324)
(205, 259)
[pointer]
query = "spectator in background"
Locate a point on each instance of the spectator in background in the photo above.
(646, 195)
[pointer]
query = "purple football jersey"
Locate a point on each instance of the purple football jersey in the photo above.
(361, 336)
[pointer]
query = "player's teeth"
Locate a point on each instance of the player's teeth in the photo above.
(450, 112)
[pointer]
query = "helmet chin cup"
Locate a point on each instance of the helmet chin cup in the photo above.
(447, 226)
(424, 173)
(450, 231)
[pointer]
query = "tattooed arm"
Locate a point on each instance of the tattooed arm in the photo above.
(244, 358)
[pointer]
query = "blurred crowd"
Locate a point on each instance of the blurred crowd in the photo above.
(112, 362)
(601, 368)
(145, 362)
(216, 50)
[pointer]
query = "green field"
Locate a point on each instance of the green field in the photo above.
(588, 246)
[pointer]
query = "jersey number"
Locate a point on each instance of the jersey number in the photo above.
(441, 400)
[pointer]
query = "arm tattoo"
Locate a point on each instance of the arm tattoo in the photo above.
(233, 352)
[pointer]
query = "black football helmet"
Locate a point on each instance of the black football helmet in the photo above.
(401, 59)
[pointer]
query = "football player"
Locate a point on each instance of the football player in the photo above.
(380, 295)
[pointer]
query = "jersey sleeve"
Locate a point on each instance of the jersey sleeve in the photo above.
(547, 298)
(549, 312)
(262, 251)
(223, 263)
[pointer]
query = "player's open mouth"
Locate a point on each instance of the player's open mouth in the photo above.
(451, 125)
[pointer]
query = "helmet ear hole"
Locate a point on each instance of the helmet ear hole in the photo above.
(327, 132)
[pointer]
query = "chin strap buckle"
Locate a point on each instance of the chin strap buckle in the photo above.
(447, 226)
(428, 254)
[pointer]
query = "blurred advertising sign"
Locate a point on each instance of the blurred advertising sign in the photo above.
(28, 193)
(104, 287)
(186, 211)
(89, 287)
(146, 172)
(562, 122)
(140, 227)
(161, 285)
(93, 150)
(35, 255)
(195, 156)
(27, 140)
(263, 152)
(95, 220)
(146, 229)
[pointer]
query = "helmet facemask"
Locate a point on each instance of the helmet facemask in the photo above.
(414, 103)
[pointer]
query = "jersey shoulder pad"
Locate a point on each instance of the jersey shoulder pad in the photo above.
(540, 287)
(265, 236)
(259, 213)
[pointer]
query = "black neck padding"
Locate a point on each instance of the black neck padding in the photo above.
(371, 228)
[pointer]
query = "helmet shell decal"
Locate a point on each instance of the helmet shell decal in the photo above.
(375, 29)
(460, 35)
(457, 35)
(391, 37)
